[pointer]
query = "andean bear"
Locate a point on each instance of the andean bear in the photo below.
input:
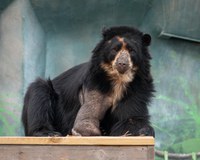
(108, 95)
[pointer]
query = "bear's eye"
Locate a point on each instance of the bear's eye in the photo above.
(130, 49)
(116, 48)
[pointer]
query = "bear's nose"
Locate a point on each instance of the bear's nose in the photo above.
(122, 66)
(122, 62)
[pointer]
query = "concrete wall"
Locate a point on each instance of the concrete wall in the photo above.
(74, 27)
(22, 59)
(11, 68)
(34, 46)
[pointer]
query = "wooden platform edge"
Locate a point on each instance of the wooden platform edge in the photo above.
(81, 141)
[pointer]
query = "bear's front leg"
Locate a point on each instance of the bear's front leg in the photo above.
(132, 127)
(91, 112)
(86, 127)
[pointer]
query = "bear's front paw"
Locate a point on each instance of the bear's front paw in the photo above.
(147, 131)
(47, 134)
(86, 128)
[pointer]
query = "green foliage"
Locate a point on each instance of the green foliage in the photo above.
(185, 138)
(9, 121)
(178, 125)
(187, 146)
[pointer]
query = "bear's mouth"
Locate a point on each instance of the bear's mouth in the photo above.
(125, 69)
(116, 74)
(121, 68)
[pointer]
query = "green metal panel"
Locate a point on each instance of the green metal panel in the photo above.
(181, 18)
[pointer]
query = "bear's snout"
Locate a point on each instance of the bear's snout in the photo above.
(122, 62)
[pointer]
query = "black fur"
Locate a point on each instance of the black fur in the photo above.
(50, 107)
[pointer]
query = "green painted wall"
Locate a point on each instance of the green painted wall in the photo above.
(54, 35)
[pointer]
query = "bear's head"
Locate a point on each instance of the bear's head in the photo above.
(122, 53)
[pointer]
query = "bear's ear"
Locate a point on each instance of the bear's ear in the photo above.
(146, 39)
(105, 31)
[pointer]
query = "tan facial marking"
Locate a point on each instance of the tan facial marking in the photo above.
(120, 39)
(122, 50)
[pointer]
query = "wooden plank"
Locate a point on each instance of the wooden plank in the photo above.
(76, 148)
(104, 141)
(60, 152)
(150, 152)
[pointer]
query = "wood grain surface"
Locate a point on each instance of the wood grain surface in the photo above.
(76, 148)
